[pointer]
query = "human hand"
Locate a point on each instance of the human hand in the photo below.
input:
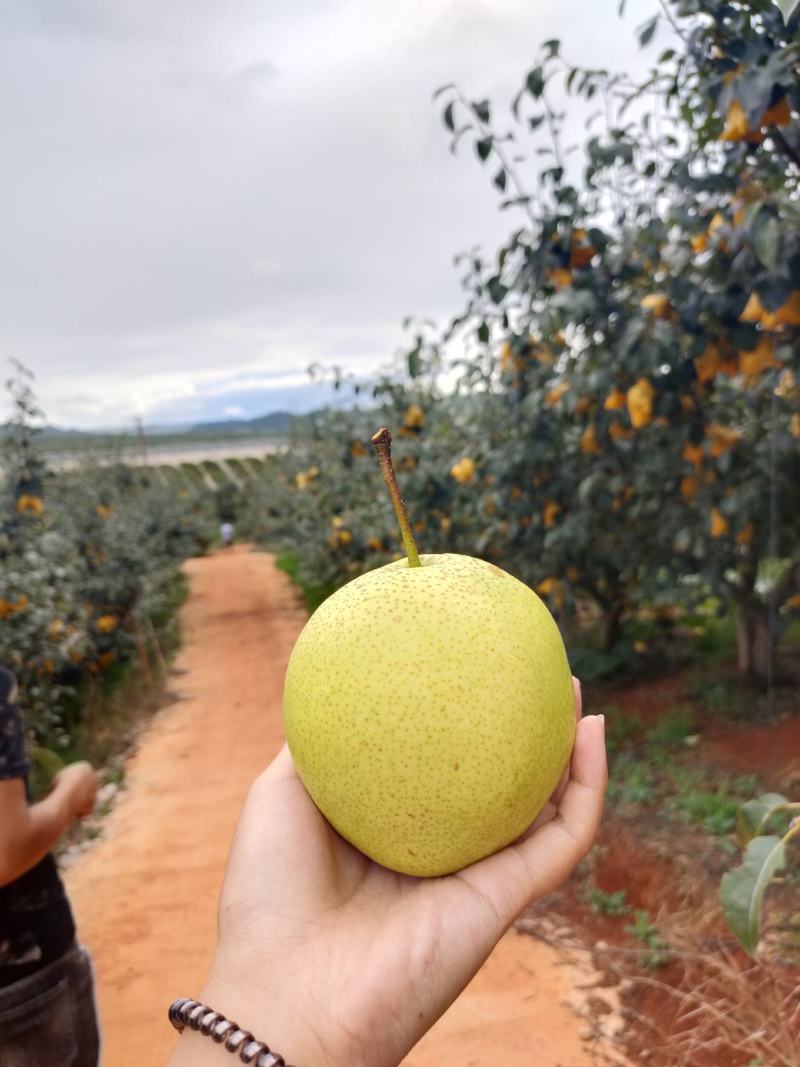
(334, 960)
(77, 785)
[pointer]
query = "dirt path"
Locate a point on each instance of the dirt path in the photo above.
(145, 896)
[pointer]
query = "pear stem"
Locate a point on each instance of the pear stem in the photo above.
(382, 440)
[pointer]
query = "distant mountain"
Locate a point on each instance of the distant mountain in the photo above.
(277, 422)
(48, 431)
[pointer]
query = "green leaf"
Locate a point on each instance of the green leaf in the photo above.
(787, 8)
(552, 46)
(752, 816)
(741, 890)
(447, 116)
(414, 362)
(500, 179)
(483, 333)
(766, 240)
(482, 109)
(647, 31)
(534, 83)
(497, 291)
(483, 147)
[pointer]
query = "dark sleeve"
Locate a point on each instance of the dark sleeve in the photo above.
(14, 761)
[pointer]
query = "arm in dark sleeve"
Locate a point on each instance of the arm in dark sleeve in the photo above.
(26, 833)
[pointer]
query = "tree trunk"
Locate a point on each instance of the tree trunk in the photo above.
(763, 647)
(612, 626)
(744, 642)
(754, 643)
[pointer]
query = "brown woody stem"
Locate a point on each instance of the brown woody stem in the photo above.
(382, 440)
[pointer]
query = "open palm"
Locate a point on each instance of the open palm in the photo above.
(335, 960)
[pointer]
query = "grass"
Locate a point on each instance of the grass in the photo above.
(713, 810)
(725, 698)
(620, 728)
(641, 759)
(313, 595)
(632, 781)
(674, 727)
(649, 767)
(646, 768)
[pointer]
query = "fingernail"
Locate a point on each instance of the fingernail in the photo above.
(602, 719)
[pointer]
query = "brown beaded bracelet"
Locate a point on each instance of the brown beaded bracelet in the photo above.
(197, 1016)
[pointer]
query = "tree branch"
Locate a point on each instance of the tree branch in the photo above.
(671, 20)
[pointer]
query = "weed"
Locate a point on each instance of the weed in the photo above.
(620, 728)
(632, 782)
(725, 699)
(603, 903)
(656, 951)
(714, 810)
(674, 727)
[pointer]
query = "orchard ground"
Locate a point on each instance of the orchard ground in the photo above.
(622, 952)
(145, 896)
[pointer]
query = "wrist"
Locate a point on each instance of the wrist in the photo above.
(284, 1022)
(63, 804)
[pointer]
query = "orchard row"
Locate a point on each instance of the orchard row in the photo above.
(614, 413)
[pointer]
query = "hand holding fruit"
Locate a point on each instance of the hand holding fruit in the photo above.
(431, 713)
(336, 960)
(77, 783)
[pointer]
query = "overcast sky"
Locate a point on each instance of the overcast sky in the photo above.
(200, 198)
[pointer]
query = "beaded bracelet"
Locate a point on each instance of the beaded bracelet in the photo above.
(197, 1016)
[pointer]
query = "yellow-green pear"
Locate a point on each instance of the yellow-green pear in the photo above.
(429, 710)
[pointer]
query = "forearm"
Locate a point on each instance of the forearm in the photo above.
(34, 836)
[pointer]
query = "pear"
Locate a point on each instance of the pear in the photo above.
(429, 708)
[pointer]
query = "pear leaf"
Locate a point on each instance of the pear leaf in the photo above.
(766, 240)
(752, 816)
(741, 890)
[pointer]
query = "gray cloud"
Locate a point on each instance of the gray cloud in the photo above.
(192, 190)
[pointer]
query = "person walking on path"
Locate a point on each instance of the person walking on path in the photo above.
(47, 1005)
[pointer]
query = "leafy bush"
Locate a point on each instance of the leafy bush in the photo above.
(88, 561)
(625, 421)
(764, 828)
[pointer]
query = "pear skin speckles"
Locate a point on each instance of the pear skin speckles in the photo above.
(430, 711)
